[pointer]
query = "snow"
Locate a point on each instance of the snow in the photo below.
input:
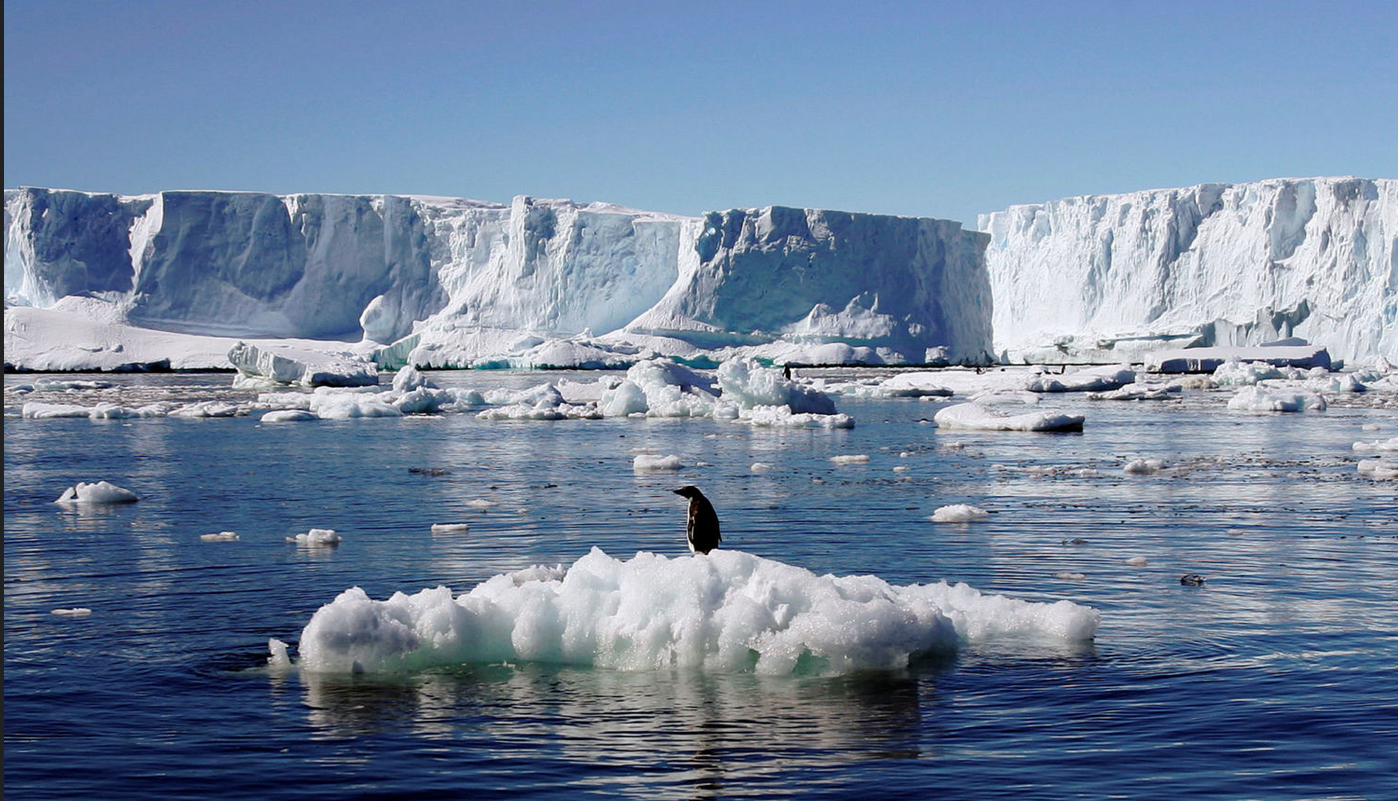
(729, 611)
(959, 513)
(977, 417)
(1262, 399)
(1112, 277)
(101, 492)
(317, 538)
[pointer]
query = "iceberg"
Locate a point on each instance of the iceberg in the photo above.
(1113, 277)
(100, 492)
(283, 365)
(448, 282)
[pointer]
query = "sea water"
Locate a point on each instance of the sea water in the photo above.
(1275, 678)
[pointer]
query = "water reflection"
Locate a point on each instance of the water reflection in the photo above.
(650, 734)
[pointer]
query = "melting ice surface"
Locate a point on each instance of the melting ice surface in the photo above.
(727, 611)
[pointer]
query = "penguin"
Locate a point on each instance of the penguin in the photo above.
(702, 528)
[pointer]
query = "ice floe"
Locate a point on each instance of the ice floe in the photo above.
(959, 513)
(317, 537)
(1262, 399)
(1380, 468)
(99, 492)
(222, 536)
(729, 611)
(645, 461)
(1143, 467)
(271, 365)
(977, 417)
(449, 528)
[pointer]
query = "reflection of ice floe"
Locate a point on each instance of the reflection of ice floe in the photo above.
(100, 492)
(728, 611)
(1260, 399)
(959, 513)
(977, 417)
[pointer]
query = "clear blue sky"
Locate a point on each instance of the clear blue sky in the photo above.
(919, 108)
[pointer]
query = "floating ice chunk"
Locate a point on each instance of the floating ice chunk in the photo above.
(783, 417)
(1390, 444)
(481, 503)
(1379, 468)
(317, 537)
(1006, 397)
(1335, 382)
(410, 378)
(749, 384)
(760, 467)
(37, 410)
(100, 492)
(277, 656)
(341, 404)
(1139, 392)
(1068, 575)
(289, 416)
(111, 411)
(276, 364)
(1093, 379)
(975, 417)
(1142, 467)
(61, 384)
(76, 611)
(222, 536)
(959, 513)
(210, 408)
(729, 611)
(850, 458)
(1259, 399)
(449, 528)
(646, 461)
(1234, 373)
(1137, 561)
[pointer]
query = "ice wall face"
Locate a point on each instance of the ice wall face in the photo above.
(1211, 264)
(249, 265)
(911, 285)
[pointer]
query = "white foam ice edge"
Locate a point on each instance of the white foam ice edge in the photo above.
(728, 611)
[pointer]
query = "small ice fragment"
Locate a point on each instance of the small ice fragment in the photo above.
(222, 536)
(902, 468)
(758, 467)
(1142, 467)
(1137, 561)
(959, 513)
(1069, 576)
(480, 503)
(289, 416)
(1371, 427)
(1379, 468)
(850, 458)
(646, 461)
(278, 657)
(77, 611)
(1390, 444)
(316, 537)
(449, 528)
(101, 492)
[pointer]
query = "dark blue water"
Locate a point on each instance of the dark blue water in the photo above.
(1277, 679)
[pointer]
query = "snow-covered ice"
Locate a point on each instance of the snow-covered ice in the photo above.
(728, 611)
(100, 492)
(283, 365)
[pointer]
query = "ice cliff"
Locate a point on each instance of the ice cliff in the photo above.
(454, 281)
(1112, 276)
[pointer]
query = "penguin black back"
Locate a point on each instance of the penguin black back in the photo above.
(701, 530)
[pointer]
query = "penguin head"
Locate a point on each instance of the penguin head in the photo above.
(689, 491)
